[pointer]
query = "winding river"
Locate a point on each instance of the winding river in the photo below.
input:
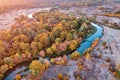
(85, 45)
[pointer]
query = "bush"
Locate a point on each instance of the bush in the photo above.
(60, 76)
(104, 43)
(75, 55)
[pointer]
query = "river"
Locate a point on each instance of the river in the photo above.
(85, 45)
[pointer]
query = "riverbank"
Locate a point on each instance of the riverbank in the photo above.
(97, 66)
(112, 39)
(108, 47)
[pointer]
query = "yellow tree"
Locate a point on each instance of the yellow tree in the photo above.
(8, 60)
(49, 51)
(56, 32)
(63, 35)
(17, 58)
(58, 40)
(24, 46)
(51, 37)
(33, 46)
(17, 77)
(53, 47)
(43, 38)
(21, 38)
(39, 46)
(75, 55)
(36, 67)
(4, 68)
(73, 45)
(60, 26)
(69, 37)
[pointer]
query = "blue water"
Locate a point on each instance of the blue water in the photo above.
(85, 45)
(11, 76)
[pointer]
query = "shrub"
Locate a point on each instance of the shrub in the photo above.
(75, 55)
(60, 76)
